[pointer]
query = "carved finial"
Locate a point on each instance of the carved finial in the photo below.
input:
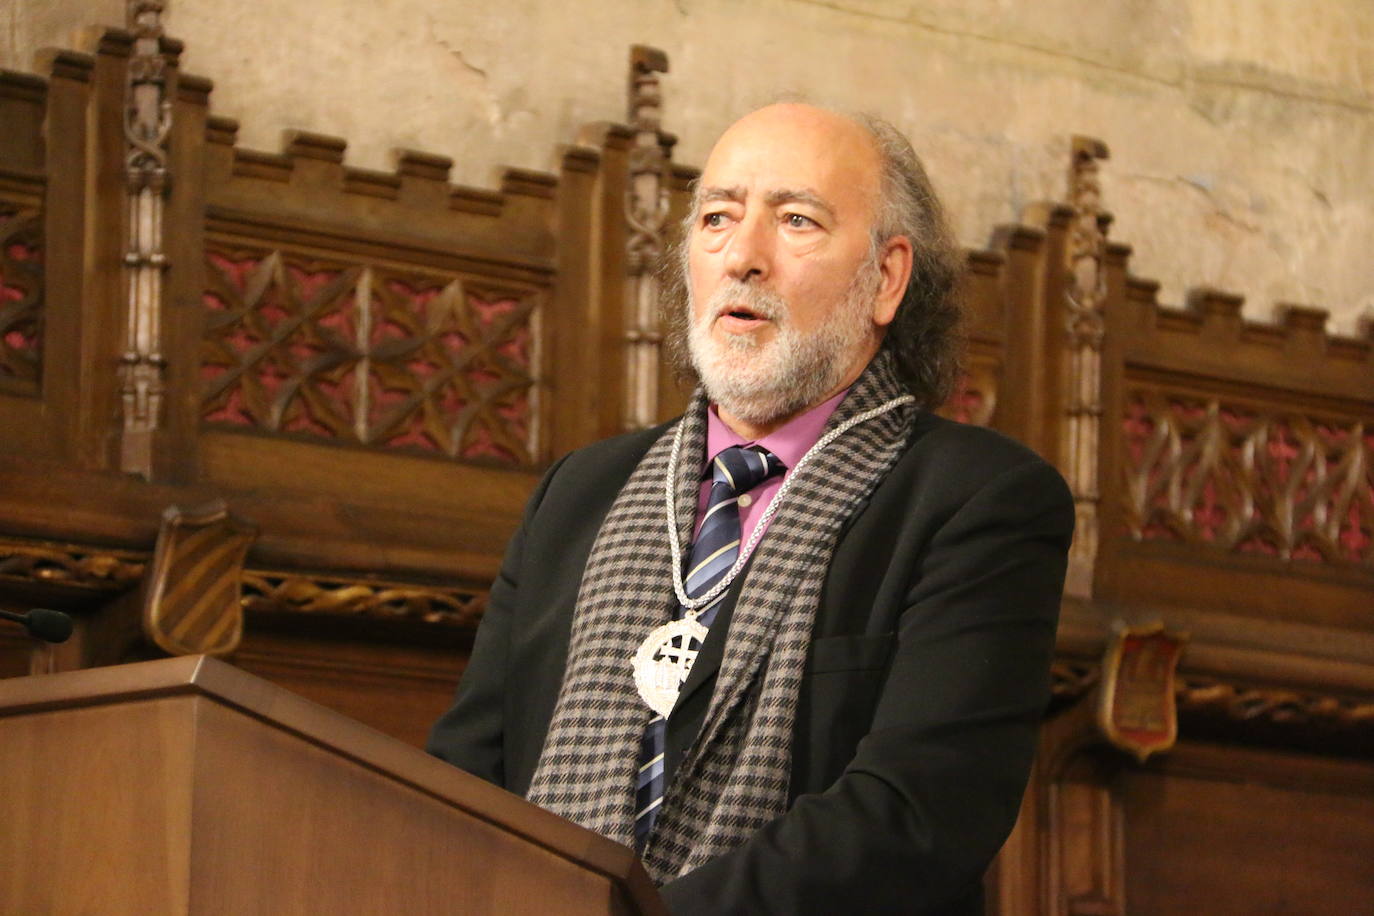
(1085, 294)
(647, 207)
(1089, 147)
(646, 212)
(145, 18)
(645, 99)
(1088, 236)
(149, 114)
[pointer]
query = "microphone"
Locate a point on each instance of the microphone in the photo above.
(49, 626)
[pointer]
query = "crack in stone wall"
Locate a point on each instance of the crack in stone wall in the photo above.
(1180, 76)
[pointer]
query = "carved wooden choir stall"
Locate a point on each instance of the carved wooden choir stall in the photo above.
(275, 408)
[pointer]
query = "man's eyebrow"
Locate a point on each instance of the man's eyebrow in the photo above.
(799, 196)
(734, 194)
(737, 194)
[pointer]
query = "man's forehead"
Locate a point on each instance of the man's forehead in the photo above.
(794, 152)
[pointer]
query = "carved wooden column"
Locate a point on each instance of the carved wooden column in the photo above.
(1084, 299)
(646, 210)
(1082, 849)
(148, 119)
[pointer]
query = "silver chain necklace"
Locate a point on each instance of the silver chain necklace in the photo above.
(666, 656)
(694, 605)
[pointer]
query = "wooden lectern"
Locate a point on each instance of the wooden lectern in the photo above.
(189, 786)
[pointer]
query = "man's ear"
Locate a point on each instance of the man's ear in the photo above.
(894, 271)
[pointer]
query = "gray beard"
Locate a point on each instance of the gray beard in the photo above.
(761, 383)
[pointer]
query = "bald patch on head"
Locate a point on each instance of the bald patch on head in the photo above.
(803, 132)
(810, 119)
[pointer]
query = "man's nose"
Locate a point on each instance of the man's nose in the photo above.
(749, 252)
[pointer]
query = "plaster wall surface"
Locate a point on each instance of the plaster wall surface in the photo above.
(1241, 131)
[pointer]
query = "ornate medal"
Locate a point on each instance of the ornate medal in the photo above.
(664, 660)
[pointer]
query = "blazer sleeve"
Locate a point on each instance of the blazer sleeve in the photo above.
(934, 787)
(471, 735)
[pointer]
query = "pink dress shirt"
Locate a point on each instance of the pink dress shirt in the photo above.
(789, 442)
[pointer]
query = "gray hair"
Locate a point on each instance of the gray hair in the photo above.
(926, 334)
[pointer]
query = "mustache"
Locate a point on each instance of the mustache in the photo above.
(736, 294)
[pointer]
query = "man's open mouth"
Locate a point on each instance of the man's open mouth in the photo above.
(741, 318)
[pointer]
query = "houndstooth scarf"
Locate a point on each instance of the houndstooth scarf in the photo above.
(734, 779)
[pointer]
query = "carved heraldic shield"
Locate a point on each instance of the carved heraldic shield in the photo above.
(1136, 708)
(192, 597)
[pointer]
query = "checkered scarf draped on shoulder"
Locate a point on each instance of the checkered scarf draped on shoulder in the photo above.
(734, 779)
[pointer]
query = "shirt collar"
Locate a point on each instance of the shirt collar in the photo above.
(789, 442)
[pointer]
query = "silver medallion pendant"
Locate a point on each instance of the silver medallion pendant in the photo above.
(664, 660)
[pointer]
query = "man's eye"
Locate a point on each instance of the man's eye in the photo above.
(713, 220)
(797, 221)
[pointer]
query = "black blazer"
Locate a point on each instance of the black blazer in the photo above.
(925, 684)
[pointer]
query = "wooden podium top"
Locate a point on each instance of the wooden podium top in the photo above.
(287, 723)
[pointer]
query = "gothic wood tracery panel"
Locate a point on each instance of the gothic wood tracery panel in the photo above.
(21, 294)
(1246, 478)
(370, 355)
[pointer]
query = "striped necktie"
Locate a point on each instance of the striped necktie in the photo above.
(736, 470)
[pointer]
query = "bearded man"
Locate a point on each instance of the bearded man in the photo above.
(793, 646)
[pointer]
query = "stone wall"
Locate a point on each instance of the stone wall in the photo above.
(1242, 131)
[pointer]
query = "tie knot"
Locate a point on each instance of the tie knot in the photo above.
(741, 469)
